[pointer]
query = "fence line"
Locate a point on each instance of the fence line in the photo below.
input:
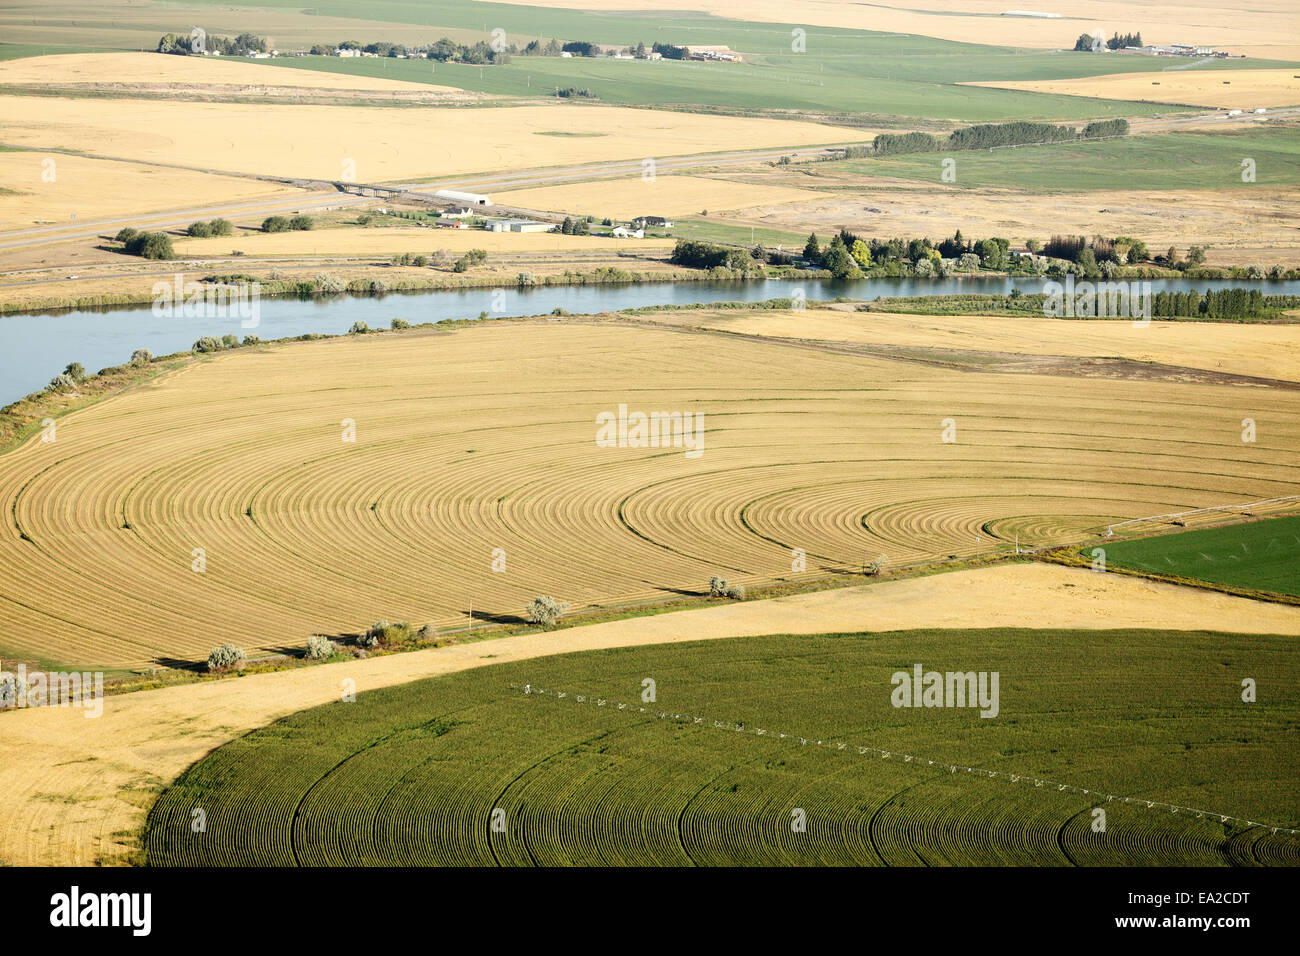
(529, 689)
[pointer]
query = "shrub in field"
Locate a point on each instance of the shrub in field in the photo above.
(226, 657)
(717, 586)
(386, 634)
(275, 224)
(150, 245)
(222, 227)
(63, 382)
(545, 610)
(126, 234)
(252, 340)
(302, 223)
(320, 648)
(401, 324)
(736, 592)
(199, 230)
(141, 357)
(330, 285)
(359, 328)
(427, 633)
(209, 343)
(230, 341)
(76, 371)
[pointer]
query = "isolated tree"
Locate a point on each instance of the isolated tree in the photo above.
(226, 657)
(545, 610)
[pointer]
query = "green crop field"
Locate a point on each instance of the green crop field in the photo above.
(1261, 555)
(846, 84)
(1167, 161)
(415, 774)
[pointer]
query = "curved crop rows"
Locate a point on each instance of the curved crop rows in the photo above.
(417, 774)
(484, 439)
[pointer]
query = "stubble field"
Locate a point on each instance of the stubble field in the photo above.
(484, 439)
(379, 145)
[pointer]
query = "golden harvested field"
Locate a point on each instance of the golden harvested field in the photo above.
(1241, 227)
(1266, 351)
(92, 189)
(191, 71)
(1240, 89)
(380, 144)
(1265, 29)
(485, 438)
(91, 781)
(662, 196)
(363, 242)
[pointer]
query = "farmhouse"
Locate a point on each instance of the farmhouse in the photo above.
(659, 222)
(622, 232)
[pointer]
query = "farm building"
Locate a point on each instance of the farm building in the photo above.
(520, 225)
(473, 199)
(622, 232)
(643, 222)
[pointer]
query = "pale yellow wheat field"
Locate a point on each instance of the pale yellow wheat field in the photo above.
(1266, 351)
(485, 438)
(661, 196)
(1236, 89)
(343, 242)
(57, 188)
(189, 71)
(377, 145)
(88, 783)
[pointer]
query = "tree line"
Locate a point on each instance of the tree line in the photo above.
(988, 135)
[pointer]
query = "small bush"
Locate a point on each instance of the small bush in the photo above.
(427, 633)
(400, 324)
(275, 224)
(230, 341)
(209, 343)
(302, 223)
(150, 245)
(717, 586)
(252, 340)
(141, 357)
(199, 230)
(222, 227)
(545, 610)
(126, 234)
(359, 328)
(330, 285)
(63, 382)
(226, 657)
(320, 648)
(76, 371)
(736, 592)
(420, 261)
(385, 634)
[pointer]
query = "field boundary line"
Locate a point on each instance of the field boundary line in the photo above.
(1179, 518)
(529, 690)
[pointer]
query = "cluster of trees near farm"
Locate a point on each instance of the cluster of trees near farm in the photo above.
(1087, 42)
(989, 135)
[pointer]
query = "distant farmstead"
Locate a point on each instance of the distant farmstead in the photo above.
(652, 222)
